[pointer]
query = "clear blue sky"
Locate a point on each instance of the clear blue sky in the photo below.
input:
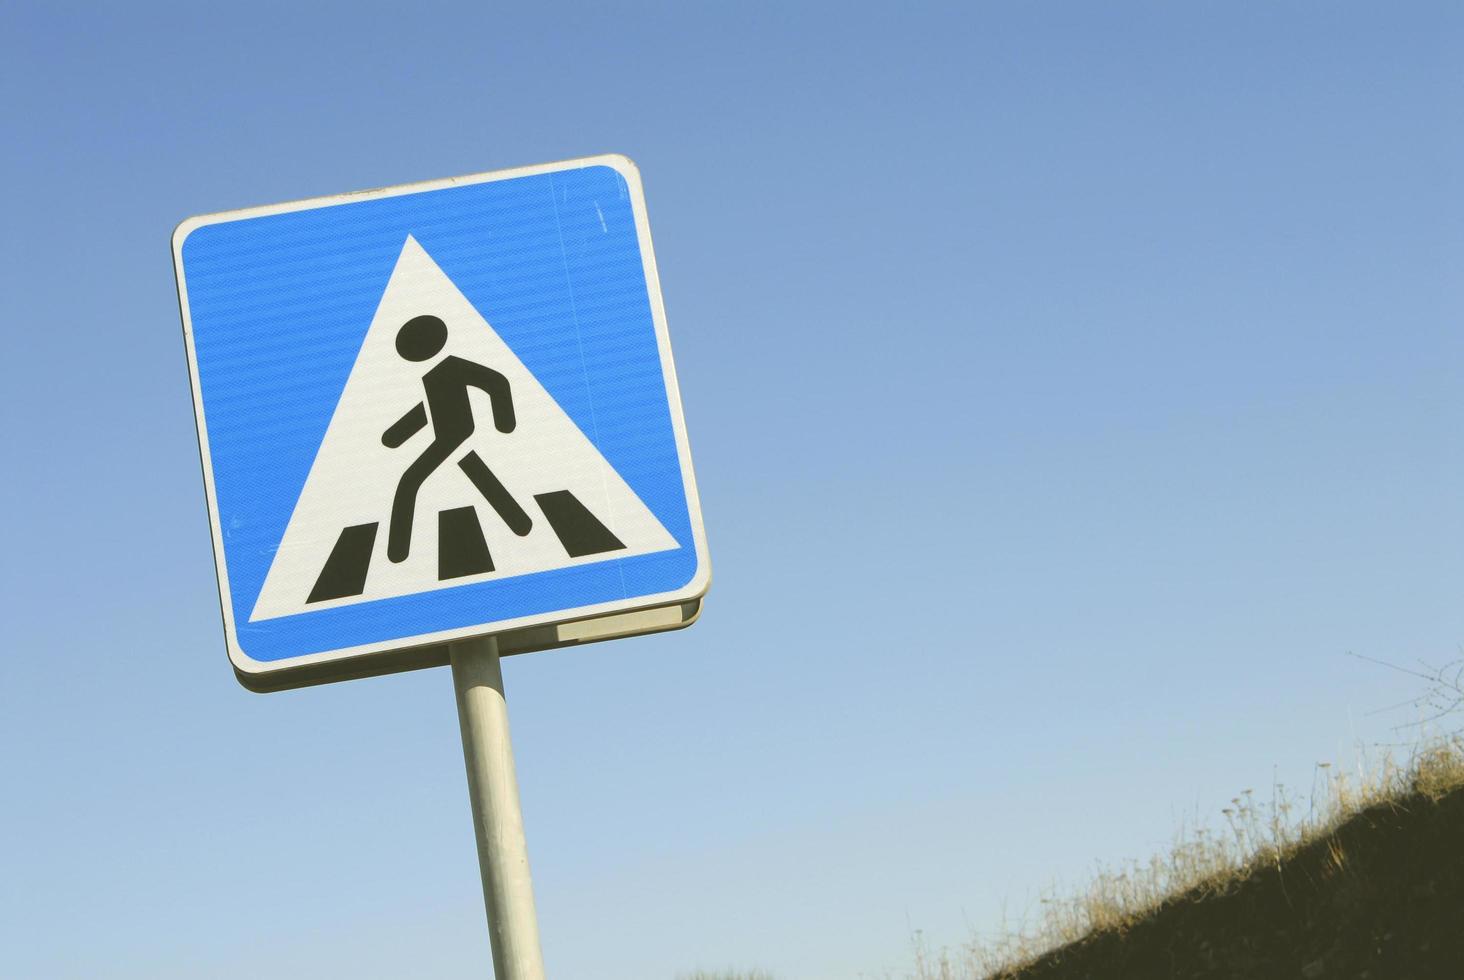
(1069, 391)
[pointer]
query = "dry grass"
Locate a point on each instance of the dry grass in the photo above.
(1203, 861)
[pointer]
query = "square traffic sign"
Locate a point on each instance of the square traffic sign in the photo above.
(438, 411)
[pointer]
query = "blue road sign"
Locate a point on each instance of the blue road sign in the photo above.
(438, 411)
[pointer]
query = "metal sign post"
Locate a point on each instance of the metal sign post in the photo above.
(498, 823)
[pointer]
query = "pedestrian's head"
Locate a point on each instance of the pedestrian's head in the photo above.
(421, 337)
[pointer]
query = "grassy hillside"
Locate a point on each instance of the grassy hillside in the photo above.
(1370, 888)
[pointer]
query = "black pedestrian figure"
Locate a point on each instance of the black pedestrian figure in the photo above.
(419, 339)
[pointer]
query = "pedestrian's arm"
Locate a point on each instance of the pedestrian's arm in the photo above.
(498, 394)
(405, 427)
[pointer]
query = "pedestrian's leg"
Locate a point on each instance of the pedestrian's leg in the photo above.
(496, 494)
(404, 504)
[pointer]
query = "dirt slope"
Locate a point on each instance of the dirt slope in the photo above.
(1379, 898)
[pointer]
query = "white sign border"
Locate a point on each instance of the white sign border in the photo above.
(247, 666)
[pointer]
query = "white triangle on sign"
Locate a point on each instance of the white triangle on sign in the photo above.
(545, 464)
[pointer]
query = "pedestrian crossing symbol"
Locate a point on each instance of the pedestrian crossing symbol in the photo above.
(434, 412)
(550, 494)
